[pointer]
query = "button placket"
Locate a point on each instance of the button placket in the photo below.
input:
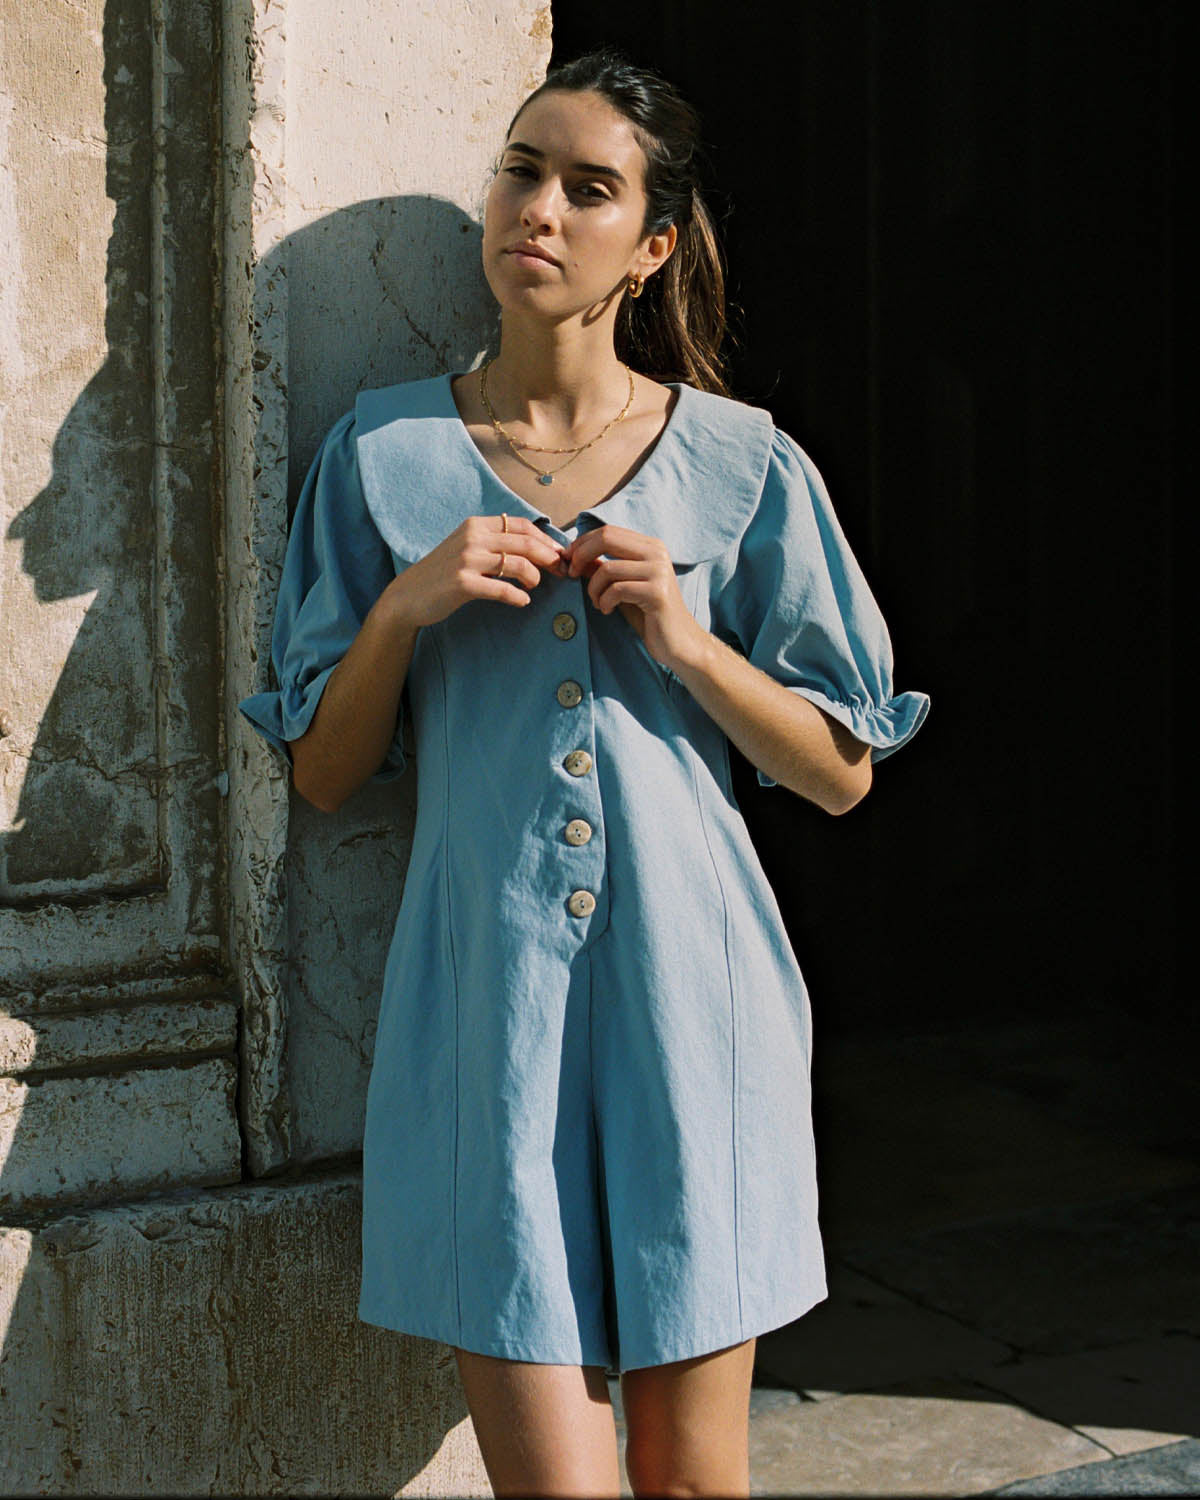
(584, 864)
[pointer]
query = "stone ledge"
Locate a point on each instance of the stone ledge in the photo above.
(208, 1343)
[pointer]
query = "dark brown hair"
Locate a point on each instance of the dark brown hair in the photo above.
(675, 330)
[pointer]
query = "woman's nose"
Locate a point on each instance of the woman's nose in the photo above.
(541, 207)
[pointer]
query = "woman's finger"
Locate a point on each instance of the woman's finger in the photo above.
(498, 561)
(620, 570)
(501, 591)
(614, 541)
(623, 591)
(517, 524)
(644, 592)
(522, 537)
(538, 548)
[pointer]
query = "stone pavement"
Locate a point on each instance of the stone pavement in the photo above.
(1012, 1219)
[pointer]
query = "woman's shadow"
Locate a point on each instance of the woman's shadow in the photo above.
(381, 291)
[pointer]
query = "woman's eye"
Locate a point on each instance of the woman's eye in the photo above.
(593, 190)
(519, 170)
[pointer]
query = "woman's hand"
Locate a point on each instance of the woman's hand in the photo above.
(463, 566)
(638, 578)
(792, 740)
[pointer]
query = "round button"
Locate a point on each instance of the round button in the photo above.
(564, 626)
(578, 831)
(569, 694)
(581, 903)
(578, 763)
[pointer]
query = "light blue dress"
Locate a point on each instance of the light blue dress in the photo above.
(588, 1134)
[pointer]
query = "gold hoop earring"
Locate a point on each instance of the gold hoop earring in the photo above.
(636, 282)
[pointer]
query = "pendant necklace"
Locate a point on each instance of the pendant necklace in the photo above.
(546, 476)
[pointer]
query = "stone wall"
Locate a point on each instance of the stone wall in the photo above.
(218, 219)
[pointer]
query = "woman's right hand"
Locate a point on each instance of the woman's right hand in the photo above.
(356, 716)
(464, 565)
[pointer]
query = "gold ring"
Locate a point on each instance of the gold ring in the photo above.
(499, 573)
(504, 520)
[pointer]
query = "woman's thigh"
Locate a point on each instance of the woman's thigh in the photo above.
(542, 1429)
(687, 1424)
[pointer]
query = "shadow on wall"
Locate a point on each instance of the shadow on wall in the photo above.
(383, 290)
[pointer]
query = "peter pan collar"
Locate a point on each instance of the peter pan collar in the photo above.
(422, 475)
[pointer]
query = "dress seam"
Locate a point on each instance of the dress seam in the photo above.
(733, 1027)
(446, 804)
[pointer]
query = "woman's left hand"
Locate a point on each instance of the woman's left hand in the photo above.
(638, 578)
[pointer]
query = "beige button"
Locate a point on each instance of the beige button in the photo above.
(578, 831)
(569, 694)
(578, 763)
(581, 903)
(564, 626)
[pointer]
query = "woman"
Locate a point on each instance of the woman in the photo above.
(588, 1139)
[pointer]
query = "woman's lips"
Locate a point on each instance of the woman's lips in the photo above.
(526, 257)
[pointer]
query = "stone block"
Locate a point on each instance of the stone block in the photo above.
(104, 1135)
(865, 1336)
(1063, 1279)
(132, 1034)
(208, 1343)
(949, 1150)
(1128, 1398)
(943, 1439)
(1172, 1470)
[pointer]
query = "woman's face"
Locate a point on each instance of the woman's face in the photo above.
(570, 190)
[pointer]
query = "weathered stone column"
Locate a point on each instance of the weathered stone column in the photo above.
(218, 219)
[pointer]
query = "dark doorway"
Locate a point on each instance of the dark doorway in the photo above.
(950, 227)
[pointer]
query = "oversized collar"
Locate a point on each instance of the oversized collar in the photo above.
(422, 475)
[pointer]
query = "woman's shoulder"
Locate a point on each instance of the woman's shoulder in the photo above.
(725, 436)
(778, 457)
(728, 414)
(421, 398)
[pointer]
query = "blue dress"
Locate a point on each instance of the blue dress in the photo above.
(588, 1136)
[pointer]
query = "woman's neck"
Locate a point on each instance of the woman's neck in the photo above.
(556, 378)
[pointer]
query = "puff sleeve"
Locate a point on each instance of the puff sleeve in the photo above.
(799, 608)
(336, 566)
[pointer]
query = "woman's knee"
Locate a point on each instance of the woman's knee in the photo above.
(688, 1424)
(670, 1468)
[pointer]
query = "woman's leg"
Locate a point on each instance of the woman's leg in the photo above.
(688, 1424)
(542, 1429)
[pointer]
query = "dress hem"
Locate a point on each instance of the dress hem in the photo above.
(668, 1353)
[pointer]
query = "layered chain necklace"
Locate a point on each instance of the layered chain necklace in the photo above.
(546, 476)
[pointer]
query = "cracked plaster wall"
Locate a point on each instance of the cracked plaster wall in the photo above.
(390, 135)
(204, 1340)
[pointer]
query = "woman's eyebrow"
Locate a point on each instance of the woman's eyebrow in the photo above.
(596, 169)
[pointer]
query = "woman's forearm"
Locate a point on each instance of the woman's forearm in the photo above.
(355, 720)
(780, 732)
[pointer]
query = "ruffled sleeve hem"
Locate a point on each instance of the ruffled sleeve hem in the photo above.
(883, 726)
(283, 716)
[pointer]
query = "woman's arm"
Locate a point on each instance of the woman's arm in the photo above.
(355, 719)
(780, 732)
(792, 740)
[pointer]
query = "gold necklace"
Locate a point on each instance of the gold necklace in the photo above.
(546, 476)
